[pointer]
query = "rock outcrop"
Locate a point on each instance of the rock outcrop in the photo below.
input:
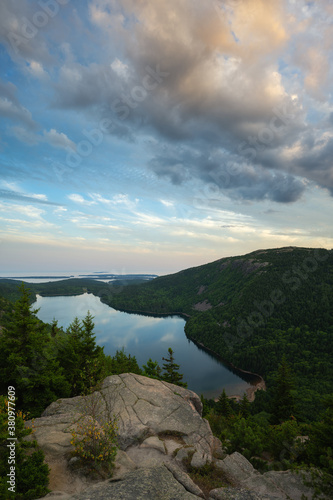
(160, 429)
(158, 423)
(270, 485)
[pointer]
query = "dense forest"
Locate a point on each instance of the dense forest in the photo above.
(250, 310)
(269, 312)
(41, 363)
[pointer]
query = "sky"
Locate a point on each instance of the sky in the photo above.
(153, 136)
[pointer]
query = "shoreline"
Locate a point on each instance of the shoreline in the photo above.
(260, 385)
(250, 392)
(147, 313)
(256, 385)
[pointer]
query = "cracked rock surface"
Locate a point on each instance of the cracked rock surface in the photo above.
(144, 407)
(158, 423)
(155, 483)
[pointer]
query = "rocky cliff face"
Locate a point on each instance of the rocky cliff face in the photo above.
(160, 425)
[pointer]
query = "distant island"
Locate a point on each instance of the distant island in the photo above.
(90, 276)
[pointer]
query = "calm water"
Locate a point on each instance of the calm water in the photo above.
(145, 337)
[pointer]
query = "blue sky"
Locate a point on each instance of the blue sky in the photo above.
(151, 136)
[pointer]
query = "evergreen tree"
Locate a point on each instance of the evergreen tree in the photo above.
(206, 407)
(152, 369)
(28, 361)
(81, 358)
(283, 398)
(171, 368)
(244, 406)
(320, 445)
(223, 407)
(89, 347)
(54, 328)
(122, 363)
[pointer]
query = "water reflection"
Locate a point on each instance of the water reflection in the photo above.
(146, 337)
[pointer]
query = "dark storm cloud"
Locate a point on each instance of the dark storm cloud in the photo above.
(223, 173)
(181, 76)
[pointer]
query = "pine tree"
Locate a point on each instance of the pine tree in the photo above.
(28, 361)
(152, 369)
(54, 328)
(79, 355)
(223, 406)
(244, 406)
(283, 400)
(123, 363)
(171, 368)
(89, 347)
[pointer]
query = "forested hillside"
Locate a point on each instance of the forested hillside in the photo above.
(252, 310)
(282, 330)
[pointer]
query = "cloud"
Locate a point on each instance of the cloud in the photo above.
(77, 198)
(58, 140)
(8, 91)
(167, 203)
(60, 211)
(120, 68)
(229, 96)
(19, 33)
(25, 198)
(10, 106)
(29, 217)
(222, 86)
(28, 210)
(36, 70)
(25, 135)
(118, 199)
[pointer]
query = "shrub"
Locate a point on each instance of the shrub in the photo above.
(95, 443)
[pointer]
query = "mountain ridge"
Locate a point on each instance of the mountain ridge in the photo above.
(251, 310)
(258, 308)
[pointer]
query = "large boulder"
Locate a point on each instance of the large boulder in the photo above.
(158, 423)
(161, 431)
(236, 468)
(280, 484)
(268, 486)
(156, 483)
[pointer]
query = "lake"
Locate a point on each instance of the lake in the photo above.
(145, 337)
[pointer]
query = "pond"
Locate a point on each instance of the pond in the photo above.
(146, 337)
